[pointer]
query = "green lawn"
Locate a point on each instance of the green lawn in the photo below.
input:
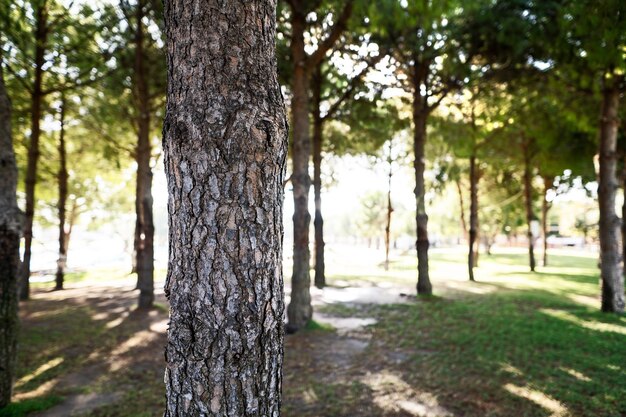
(515, 343)
(512, 344)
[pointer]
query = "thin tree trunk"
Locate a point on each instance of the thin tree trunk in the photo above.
(612, 278)
(225, 145)
(143, 203)
(70, 226)
(623, 221)
(545, 207)
(473, 232)
(133, 269)
(462, 207)
(62, 178)
(36, 98)
(528, 199)
(299, 311)
(10, 228)
(389, 208)
(318, 222)
(420, 114)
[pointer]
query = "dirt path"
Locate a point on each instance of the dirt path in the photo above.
(111, 361)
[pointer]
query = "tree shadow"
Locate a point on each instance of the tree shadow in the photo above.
(519, 352)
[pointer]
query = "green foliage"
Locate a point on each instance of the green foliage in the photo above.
(427, 55)
(112, 111)
(593, 41)
(511, 38)
(73, 53)
(363, 126)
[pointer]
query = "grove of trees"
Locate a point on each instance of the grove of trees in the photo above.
(508, 101)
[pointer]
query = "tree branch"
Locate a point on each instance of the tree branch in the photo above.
(77, 83)
(354, 82)
(338, 28)
(17, 77)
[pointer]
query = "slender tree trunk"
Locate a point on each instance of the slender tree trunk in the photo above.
(62, 179)
(144, 233)
(389, 208)
(71, 221)
(420, 115)
(528, 200)
(318, 222)
(225, 144)
(133, 269)
(473, 231)
(10, 229)
(623, 221)
(36, 99)
(545, 207)
(299, 311)
(612, 278)
(462, 207)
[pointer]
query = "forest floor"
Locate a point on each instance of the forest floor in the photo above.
(512, 344)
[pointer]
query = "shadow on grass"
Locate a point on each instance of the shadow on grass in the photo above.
(521, 352)
(69, 344)
(26, 407)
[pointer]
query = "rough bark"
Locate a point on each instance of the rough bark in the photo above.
(318, 221)
(10, 228)
(612, 278)
(62, 179)
(473, 231)
(545, 207)
(420, 115)
(36, 101)
(225, 144)
(144, 233)
(528, 204)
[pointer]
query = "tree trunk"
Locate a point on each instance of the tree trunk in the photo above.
(389, 208)
(225, 144)
(133, 269)
(473, 231)
(36, 99)
(62, 178)
(612, 278)
(300, 311)
(462, 207)
(10, 228)
(420, 114)
(623, 221)
(318, 222)
(70, 222)
(144, 233)
(528, 199)
(545, 207)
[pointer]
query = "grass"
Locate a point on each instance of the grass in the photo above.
(93, 276)
(530, 345)
(514, 343)
(25, 407)
(313, 325)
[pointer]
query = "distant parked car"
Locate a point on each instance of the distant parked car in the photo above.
(561, 241)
